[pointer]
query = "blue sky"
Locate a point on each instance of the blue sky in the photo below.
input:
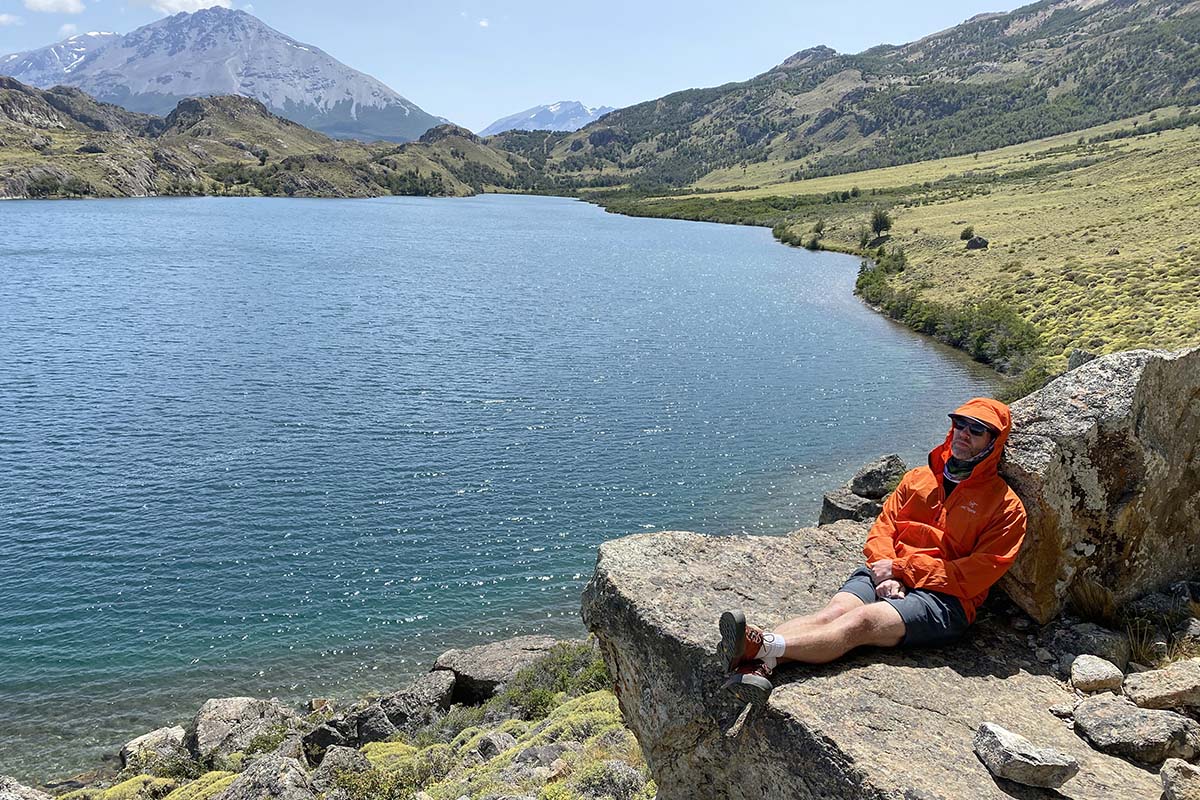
(475, 61)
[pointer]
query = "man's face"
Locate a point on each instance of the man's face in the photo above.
(967, 444)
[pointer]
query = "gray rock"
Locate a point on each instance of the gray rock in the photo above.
(480, 671)
(1015, 758)
(612, 779)
(977, 243)
(1102, 458)
(418, 702)
(1188, 632)
(225, 726)
(1092, 639)
(1094, 674)
(493, 744)
(270, 778)
(337, 759)
(879, 723)
(1116, 726)
(1078, 358)
(1180, 780)
(373, 725)
(335, 733)
(1175, 686)
(292, 746)
(1159, 609)
(158, 744)
(542, 755)
(11, 790)
(1063, 710)
(875, 480)
(843, 504)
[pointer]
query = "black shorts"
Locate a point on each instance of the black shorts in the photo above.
(930, 618)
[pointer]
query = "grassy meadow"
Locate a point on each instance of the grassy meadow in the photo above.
(1094, 237)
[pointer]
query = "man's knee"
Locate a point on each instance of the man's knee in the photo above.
(878, 624)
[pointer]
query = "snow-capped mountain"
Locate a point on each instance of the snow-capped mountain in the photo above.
(223, 51)
(565, 115)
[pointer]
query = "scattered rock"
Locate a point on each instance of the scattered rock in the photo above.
(479, 671)
(416, 703)
(270, 777)
(1064, 710)
(11, 790)
(1188, 632)
(325, 705)
(1094, 674)
(1180, 780)
(373, 725)
(1015, 758)
(875, 480)
(542, 755)
(493, 744)
(977, 243)
(843, 504)
(1113, 252)
(335, 733)
(1175, 686)
(1091, 639)
(226, 725)
(1043, 655)
(337, 759)
(1159, 608)
(162, 743)
(1116, 726)
(1103, 454)
(1078, 358)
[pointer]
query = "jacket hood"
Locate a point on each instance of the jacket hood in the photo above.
(990, 412)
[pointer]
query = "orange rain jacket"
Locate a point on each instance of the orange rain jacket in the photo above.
(960, 547)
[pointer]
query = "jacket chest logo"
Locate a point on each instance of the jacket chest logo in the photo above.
(971, 507)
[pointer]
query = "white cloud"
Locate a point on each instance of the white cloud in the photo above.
(248, 8)
(175, 6)
(55, 6)
(483, 23)
(67, 30)
(9, 19)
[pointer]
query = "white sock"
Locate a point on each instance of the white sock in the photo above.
(772, 649)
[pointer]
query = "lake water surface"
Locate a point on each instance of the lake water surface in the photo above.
(300, 447)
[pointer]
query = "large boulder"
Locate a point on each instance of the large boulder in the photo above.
(11, 790)
(842, 503)
(1104, 459)
(480, 671)
(1015, 758)
(164, 743)
(270, 778)
(226, 725)
(424, 698)
(878, 724)
(876, 479)
(337, 761)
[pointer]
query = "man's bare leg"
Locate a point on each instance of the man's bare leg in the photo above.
(840, 604)
(878, 624)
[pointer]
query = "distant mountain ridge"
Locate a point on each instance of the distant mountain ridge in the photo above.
(1050, 67)
(565, 115)
(220, 51)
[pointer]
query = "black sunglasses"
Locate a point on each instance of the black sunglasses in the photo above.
(974, 428)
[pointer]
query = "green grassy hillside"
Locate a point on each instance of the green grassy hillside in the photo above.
(1093, 239)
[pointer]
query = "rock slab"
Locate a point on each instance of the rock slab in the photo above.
(162, 743)
(270, 777)
(1104, 460)
(878, 724)
(1175, 686)
(10, 789)
(1116, 726)
(1015, 758)
(480, 671)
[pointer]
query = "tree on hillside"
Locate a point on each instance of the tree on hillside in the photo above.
(880, 221)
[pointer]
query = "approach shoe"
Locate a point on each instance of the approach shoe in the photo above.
(739, 642)
(750, 683)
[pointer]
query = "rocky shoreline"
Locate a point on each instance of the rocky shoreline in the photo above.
(1081, 679)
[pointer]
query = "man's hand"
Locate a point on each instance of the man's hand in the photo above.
(890, 590)
(881, 570)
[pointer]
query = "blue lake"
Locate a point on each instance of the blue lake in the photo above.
(300, 447)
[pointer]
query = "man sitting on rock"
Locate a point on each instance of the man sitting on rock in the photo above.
(946, 534)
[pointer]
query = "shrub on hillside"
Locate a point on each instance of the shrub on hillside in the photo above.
(967, 233)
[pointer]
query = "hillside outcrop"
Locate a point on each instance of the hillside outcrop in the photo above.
(1105, 460)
